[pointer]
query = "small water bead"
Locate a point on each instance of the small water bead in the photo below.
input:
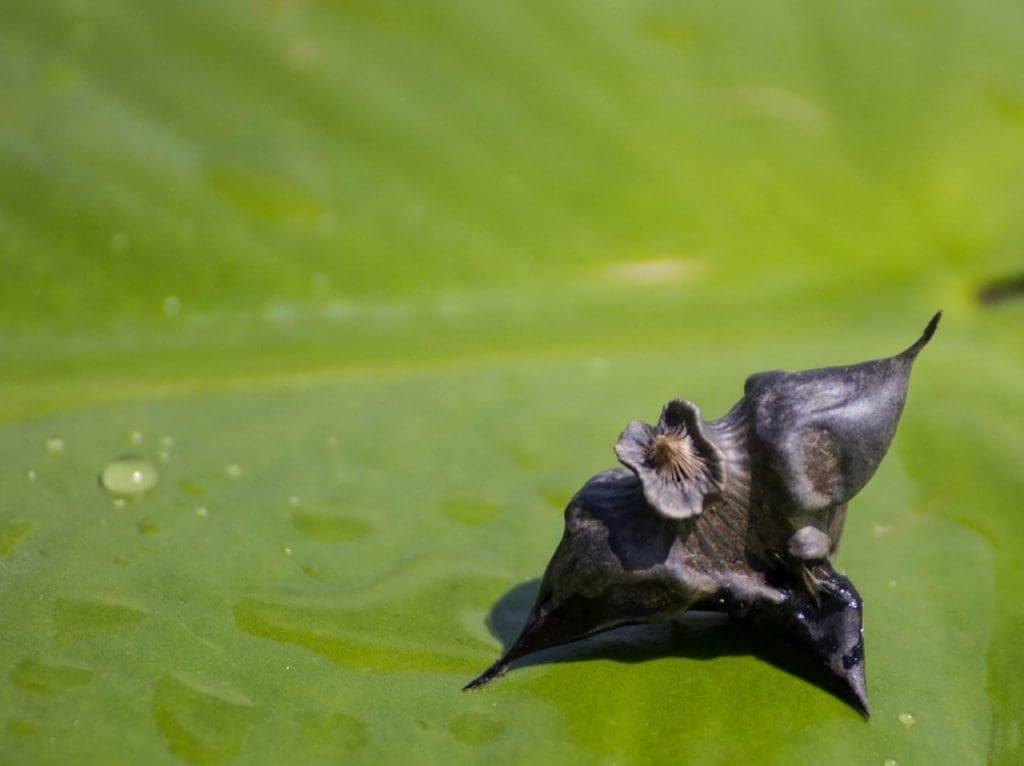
(167, 442)
(202, 511)
(889, 762)
(171, 306)
(233, 471)
(294, 501)
(54, 445)
(120, 503)
(135, 437)
(129, 477)
(907, 720)
(119, 243)
(32, 475)
(163, 456)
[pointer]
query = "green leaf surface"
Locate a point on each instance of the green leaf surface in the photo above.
(370, 288)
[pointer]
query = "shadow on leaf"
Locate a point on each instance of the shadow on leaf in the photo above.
(696, 635)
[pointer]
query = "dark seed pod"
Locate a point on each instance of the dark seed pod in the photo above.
(741, 515)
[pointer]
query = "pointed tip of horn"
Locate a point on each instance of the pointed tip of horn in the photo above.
(495, 671)
(856, 691)
(926, 336)
(859, 700)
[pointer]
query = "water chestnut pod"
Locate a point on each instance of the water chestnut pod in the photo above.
(741, 515)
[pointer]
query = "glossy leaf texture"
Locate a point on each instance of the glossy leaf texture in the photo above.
(358, 293)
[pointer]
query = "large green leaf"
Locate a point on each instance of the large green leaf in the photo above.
(374, 285)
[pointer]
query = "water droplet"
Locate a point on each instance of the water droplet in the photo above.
(49, 677)
(233, 471)
(383, 625)
(475, 728)
(202, 511)
(135, 437)
(120, 503)
(13, 535)
(467, 508)
(167, 442)
(163, 456)
(881, 530)
(328, 525)
(294, 501)
(32, 475)
(287, 551)
(907, 720)
(332, 735)
(892, 585)
(119, 243)
(54, 445)
(171, 306)
(129, 477)
(90, 616)
(889, 762)
(202, 722)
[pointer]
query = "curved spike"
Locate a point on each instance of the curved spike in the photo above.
(926, 336)
(495, 671)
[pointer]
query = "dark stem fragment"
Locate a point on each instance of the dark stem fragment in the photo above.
(1001, 290)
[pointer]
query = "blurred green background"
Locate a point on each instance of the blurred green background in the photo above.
(374, 285)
